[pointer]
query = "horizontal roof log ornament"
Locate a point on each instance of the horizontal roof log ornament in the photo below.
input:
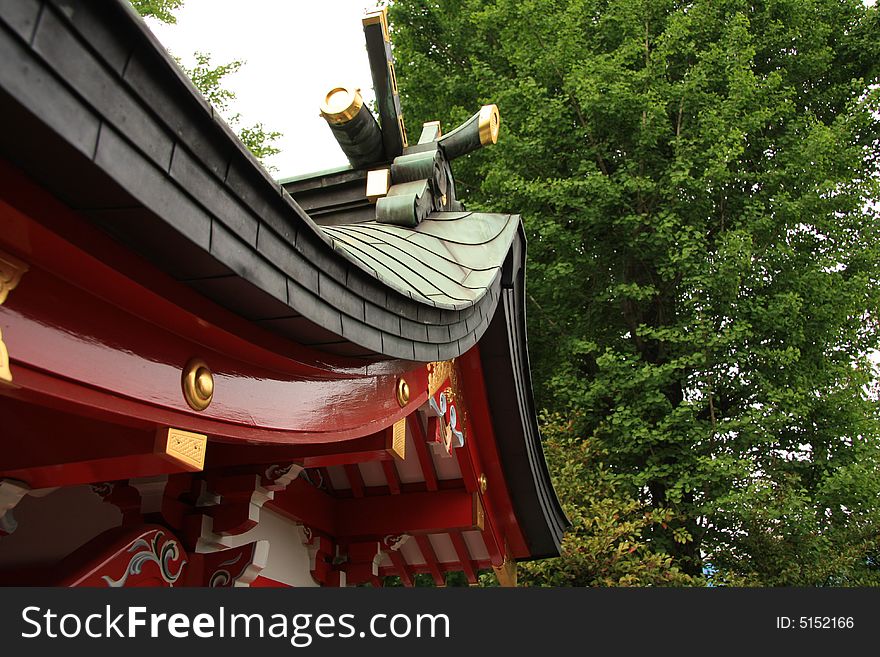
(478, 131)
(353, 126)
(421, 179)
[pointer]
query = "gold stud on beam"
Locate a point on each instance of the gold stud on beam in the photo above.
(402, 392)
(484, 483)
(198, 384)
(185, 448)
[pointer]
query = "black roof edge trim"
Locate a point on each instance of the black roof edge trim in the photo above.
(505, 360)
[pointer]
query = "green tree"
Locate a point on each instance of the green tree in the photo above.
(210, 79)
(698, 182)
(606, 544)
(162, 10)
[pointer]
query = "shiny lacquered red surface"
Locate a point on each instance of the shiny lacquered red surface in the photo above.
(83, 333)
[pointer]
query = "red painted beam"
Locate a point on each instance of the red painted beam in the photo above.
(56, 449)
(23, 199)
(372, 518)
(468, 463)
(310, 455)
(328, 482)
(307, 505)
(124, 331)
(413, 513)
(411, 487)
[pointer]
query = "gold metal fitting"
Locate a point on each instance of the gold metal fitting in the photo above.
(378, 184)
(479, 515)
(11, 271)
(490, 123)
(484, 483)
(185, 448)
(198, 384)
(402, 392)
(341, 105)
(398, 438)
(380, 16)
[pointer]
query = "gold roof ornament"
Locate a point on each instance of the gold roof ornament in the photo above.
(341, 105)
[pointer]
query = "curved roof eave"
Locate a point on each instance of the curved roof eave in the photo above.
(136, 150)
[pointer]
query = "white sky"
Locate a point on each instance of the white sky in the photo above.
(295, 51)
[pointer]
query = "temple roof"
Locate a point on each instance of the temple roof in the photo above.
(100, 115)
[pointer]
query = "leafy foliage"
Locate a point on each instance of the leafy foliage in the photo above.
(162, 10)
(210, 80)
(606, 545)
(698, 183)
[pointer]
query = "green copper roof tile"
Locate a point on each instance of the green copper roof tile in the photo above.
(450, 258)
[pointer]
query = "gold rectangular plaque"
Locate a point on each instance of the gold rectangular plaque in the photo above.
(398, 440)
(184, 447)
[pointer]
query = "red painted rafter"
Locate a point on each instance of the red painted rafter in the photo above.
(355, 480)
(425, 460)
(464, 557)
(401, 568)
(391, 475)
(430, 557)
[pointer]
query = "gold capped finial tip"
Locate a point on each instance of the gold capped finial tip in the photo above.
(341, 104)
(490, 124)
